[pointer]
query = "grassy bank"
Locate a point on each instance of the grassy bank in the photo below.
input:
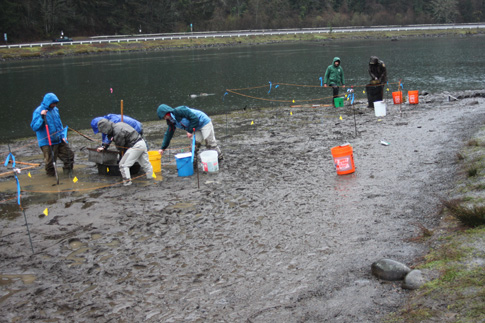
(65, 49)
(457, 257)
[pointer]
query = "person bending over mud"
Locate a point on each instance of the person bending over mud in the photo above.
(188, 119)
(125, 137)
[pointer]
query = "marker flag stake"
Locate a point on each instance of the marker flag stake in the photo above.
(351, 95)
(10, 155)
(224, 96)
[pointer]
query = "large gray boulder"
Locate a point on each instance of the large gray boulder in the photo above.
(389, 269)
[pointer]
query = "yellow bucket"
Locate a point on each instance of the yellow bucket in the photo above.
(156, 160)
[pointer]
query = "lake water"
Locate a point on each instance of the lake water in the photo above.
(145, 80)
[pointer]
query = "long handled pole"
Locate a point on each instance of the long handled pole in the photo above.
(52, 151)
(196, 160)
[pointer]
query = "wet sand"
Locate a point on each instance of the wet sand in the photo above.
(275, 236)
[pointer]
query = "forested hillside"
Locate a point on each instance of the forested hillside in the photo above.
(26, 20)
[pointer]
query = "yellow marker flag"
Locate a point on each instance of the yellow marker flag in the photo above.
(107, 169)
(387, 89)
(252, 122)
(153, 175)
(30, 175)
(340, 118)
(46, 212)
(363, 91)
(75, 179)
(293, 101)
(291, 113)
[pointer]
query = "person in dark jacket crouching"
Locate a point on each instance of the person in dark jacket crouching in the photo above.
(127, 138)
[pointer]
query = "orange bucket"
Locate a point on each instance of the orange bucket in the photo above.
(413, 97)
(397, 97)
(343, 159)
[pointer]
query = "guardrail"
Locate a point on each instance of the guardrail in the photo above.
(244, 33)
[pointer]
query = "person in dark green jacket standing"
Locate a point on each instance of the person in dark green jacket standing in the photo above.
(334, 77)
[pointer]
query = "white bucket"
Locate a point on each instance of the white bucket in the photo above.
(209, 161)
(380, 108)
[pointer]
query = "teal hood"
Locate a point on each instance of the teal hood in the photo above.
(163, 109)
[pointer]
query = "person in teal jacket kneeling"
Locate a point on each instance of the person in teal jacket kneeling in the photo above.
(188, 119)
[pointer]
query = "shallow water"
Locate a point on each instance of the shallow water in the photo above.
(145, 80)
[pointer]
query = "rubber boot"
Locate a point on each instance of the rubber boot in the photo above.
(67, 171)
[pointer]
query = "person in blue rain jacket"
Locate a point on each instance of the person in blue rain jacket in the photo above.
(60, 147)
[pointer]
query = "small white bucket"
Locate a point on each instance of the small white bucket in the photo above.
(209, 161)
(380, 108)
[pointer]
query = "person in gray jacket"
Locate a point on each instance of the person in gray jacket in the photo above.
(127, 138)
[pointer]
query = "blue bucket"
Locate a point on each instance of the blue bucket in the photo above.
(185, 166)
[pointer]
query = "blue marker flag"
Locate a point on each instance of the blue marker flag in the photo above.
(8, 158)
(18, 189)
(270, 84)
(224, 96)
(10, 155)
(321, 81)
(64, 134)
(351, 95)
(193, 146)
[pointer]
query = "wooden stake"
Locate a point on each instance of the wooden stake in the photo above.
(121, 110)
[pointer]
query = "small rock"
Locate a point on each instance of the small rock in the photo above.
(413, 280)
(389, 269)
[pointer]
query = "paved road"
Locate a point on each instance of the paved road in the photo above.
(246, 33)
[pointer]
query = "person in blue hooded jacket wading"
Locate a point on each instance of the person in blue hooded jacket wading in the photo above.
(188, 119)
(60, 147)
(334, 77)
